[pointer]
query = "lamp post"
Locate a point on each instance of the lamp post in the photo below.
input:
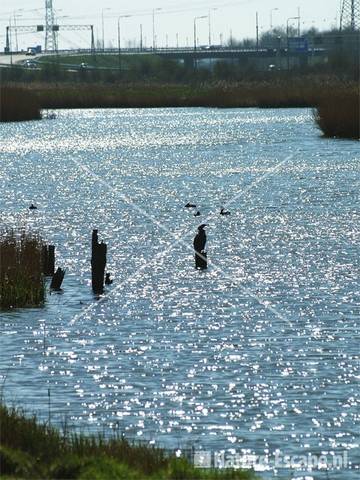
(287, 39)
(271, 16)
(103, 26)
(195, 19)
(16, 15)
(119, 37)
(210, 10)
(10, 43)
(153, 25)
(299, 21)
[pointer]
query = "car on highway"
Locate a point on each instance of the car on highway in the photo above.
(30, 64)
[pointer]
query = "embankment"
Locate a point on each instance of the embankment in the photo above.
(29, 449)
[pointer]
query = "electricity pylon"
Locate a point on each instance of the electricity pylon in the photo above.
(50, 33)
(350, 15)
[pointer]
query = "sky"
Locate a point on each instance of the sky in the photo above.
(174, 19)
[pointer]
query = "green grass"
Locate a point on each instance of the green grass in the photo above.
(29, 449)
(21, 271)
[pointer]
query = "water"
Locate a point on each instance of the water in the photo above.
(261, 352)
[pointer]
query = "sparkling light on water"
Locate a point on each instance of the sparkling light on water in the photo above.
(260, 352)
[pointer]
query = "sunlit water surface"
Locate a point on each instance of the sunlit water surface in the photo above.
(261, 352)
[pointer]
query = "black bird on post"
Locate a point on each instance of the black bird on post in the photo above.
(199, 247)
(98, 263)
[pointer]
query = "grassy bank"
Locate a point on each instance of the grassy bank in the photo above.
(339, 115)
(33, 450)
(18, 104)
(21, 279)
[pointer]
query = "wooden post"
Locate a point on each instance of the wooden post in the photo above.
(98, 263)
(51, 260)
(48, 254)
(44, 254)
(57, 279)
(201, 261)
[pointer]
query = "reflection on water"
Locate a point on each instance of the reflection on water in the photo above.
(258, 353)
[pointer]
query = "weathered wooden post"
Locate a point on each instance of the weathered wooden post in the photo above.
(51, 260)
(57, 279)
(48, 255)
(98, 263)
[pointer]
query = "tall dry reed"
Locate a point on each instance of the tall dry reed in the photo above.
(18, 104)
(338, 115)
(21, 267)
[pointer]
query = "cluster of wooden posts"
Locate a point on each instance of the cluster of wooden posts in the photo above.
(98, 265)
(48, 256)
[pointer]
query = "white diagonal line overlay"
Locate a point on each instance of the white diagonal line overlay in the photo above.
(178, 240)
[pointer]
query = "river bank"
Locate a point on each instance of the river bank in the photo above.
(317, 92)
(30, 449)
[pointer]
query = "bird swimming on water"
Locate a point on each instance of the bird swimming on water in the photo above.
(190, 205)
(200, 239)
(224, 212)
(197, 214)
(32, 207)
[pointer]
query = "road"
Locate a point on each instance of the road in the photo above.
(16, 58)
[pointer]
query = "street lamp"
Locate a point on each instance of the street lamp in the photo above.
(103, 26)
(195, 19)
(210, 10)
(153, 25)
(287, 39)
(119, 36)
(16, 15)
(271, 16)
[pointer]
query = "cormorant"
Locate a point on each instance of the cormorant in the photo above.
(197, 214)
(200, 239)
(32, 207)
(224, 212)
(190, 205)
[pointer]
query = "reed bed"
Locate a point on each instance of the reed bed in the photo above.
(21, 266)
(339, 115)
(18, 104)
(30, 449)
(220, 94)
(274, 93)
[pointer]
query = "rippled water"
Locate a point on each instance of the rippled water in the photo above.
(259, 353)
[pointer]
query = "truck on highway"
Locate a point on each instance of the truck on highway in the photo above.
(33, 50)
